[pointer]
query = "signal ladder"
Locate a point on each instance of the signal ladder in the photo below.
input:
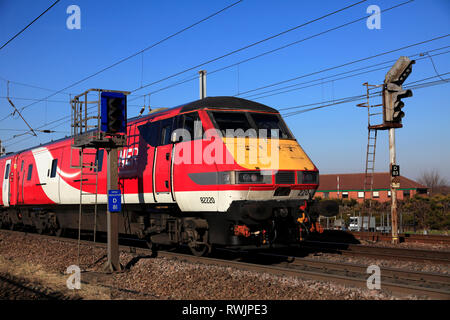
(129, 165)
(370, 152)
(86, 169)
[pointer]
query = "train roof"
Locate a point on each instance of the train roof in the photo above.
(220, 102)
(226, 102)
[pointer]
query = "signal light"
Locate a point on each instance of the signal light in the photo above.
(393, 104)
(393, 91)
(400, 71)
(114, 113)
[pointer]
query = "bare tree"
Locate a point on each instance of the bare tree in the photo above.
(434, 181)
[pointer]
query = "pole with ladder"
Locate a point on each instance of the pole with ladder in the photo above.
(370, 153)
(84, 182)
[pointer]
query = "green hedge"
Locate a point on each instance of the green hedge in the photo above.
(423, 212)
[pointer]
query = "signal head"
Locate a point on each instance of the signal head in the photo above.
(114, 114)
(400, 71)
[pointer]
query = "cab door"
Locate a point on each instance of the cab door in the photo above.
(14, 178)
(20, 179)
(6, 184)
(163, 163)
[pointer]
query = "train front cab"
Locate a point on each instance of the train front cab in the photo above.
(254, 199)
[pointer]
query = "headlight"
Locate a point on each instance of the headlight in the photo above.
(252, 177)
(226, 177)
(308, 177)
(231, 177)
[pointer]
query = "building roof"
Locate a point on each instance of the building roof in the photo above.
(355, 181)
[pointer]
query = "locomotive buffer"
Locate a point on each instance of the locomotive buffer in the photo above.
(105, 129)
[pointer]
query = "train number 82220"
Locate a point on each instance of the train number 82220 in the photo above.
(207, 200)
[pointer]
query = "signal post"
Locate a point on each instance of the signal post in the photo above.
(392, 94)
(392, 118)
(108, 130)
(114, 124)
(112, 218)
(394, 186)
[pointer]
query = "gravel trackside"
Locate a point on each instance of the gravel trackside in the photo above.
(44, 261)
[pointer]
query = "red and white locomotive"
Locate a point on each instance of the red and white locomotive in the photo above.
(184, 179)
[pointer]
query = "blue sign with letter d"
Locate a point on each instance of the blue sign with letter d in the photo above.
(114, 201)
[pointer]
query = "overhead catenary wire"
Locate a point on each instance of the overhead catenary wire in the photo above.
(332, 78)
(25, 130)
(133, 55)
(296, 78)
(335, 67)
(252, 45)
(432, 50)
(232, 52)
(160, 41)
(259, 56)
(215, 59)
(31, 85)
(434, 66)
(412, 85)
(344, 64)
(28, 25)
(320, 105)
(240, 62)
(408, 85)
(63, 121)
(53, 101)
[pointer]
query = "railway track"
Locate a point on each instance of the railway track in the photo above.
(406, 237)
(401, 282)
(388, 275)
(405, 254)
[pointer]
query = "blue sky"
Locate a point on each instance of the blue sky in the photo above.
(51, 56)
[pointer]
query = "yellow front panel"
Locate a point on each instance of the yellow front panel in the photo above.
(268, 154)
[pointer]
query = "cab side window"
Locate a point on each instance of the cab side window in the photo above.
(166, 131)
(7, 171)
(99, 159)
(30, 172)
(159, 133)
(150, 132)
(192, 123)
(54, 167)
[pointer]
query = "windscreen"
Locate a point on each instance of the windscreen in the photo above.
(231, 121)
(272, 124)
